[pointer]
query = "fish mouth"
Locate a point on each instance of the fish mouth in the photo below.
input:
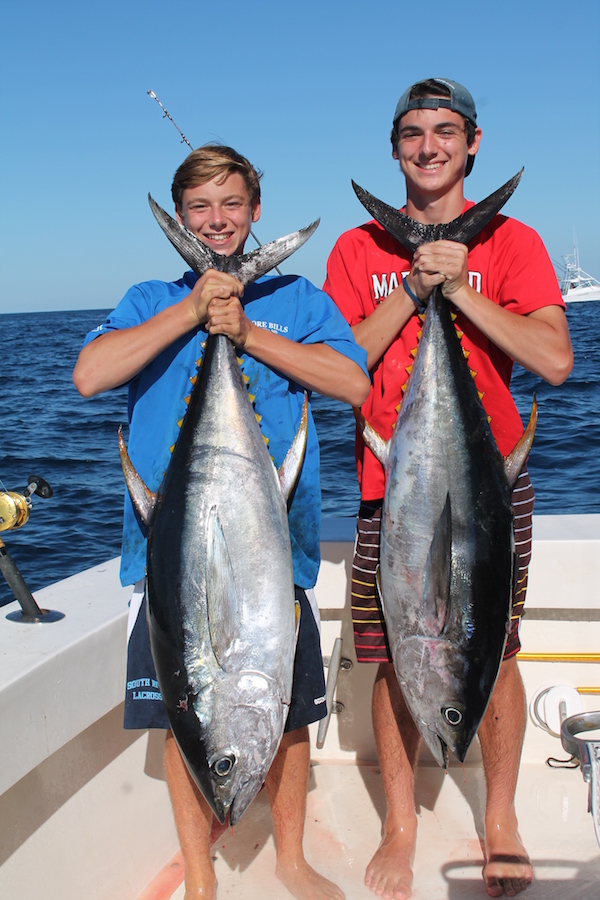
(443, 758)
(234, 806)
(242, 800)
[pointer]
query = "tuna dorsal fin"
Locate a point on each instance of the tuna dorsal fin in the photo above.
(412, 234)
(248, 267)
(221, 593)
(436, 591)
(143, 499)
(290, 468)
(514, 462)
(376, 444)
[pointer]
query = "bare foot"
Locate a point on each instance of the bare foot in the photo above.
(305, 884)
(389, 874)
(508, 869)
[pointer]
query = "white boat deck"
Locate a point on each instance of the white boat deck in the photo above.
(345, 806)
(84, 811)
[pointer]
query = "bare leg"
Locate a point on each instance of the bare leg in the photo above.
(389, 874)
(508, 867)
(193, 818)
(287, 785)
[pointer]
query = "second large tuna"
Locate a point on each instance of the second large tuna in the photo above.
(447, 548)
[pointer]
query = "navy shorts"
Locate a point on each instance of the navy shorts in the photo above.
(143, 701)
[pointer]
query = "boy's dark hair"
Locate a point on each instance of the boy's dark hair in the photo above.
(432, 88)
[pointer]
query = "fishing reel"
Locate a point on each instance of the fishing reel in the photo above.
(16, 506)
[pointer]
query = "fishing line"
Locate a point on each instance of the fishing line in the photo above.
(184, 140)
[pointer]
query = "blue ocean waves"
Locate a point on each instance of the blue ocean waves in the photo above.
(49, 430)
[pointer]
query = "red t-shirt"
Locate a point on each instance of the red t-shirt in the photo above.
(507, 263)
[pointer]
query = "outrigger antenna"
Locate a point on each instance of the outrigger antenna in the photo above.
(184, 140)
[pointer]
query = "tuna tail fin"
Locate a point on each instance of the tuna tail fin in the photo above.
(290, 468)
(376, 444)
(412, 234)
(248, 267)
(143, 499)
(259, 262)
(514, 462)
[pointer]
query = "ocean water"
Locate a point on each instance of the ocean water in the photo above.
(47, 429)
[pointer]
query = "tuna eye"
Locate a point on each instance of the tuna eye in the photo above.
(452, 716)
(223, 766)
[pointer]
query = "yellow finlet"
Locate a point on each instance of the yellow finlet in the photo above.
(194, 378)
(413, 352)
(473, 374)
(187, 399)
(409, 369)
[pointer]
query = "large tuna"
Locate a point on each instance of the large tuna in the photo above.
(221, 610)
(447, 547)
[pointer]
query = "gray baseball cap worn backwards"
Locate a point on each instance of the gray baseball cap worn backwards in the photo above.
(459, 101)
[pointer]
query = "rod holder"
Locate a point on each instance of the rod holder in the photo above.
(30, 613)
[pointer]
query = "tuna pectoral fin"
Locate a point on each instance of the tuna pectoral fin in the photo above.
(376, 444)
(221, 593)
(290, 468)
(436, 591)
(515, 461)
(143, 499)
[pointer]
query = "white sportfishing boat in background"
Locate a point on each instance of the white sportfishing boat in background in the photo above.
(84, 808)
(575, 284)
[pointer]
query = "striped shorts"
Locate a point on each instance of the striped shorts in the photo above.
(370, 637)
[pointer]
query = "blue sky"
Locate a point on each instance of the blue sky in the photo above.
(305, 90)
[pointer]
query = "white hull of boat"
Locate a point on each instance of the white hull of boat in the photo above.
(84, 809)
(582, 295)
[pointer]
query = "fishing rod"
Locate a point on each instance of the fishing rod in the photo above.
(15, 509)
(184, 140)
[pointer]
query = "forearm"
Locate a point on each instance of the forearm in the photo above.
(316, 367)
(539, 341)
(114, 358)
(380, 328)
